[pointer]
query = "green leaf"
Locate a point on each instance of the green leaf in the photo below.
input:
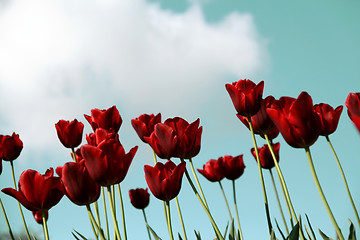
(232, 230)
(323, 235)
(294, 234)
(75, 236)
(277, 225)
(307, 232)
(311, 229)
(272, 235)
(153, 232)
(180, 238)
(352, 235)
(226, 229)
(197, 234)
(82, 236)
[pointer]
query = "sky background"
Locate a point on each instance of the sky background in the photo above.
(59, 59)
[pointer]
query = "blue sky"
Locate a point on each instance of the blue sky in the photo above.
(60, 59)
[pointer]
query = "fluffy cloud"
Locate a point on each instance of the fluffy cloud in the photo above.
(59, 59)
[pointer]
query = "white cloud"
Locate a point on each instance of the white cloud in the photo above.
(58, 59)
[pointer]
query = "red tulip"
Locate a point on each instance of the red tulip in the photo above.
(139, 198)
(163, 141)
(329, 117)
(37, 192)
(78, 185)
(164, 180)
(262, 124)
(144, 125)
(353, 105)
(266, 159)
(233, 166)
(296, 120)
(100, 135)
(246, 96)
(107, 119)
(70, 133)
(38, 216)
(107, 163)
(10, 147)
(213, 170)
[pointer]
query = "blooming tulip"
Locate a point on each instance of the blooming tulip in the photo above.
(139, 198)
(266, 159)
(213, 170)
(100, 135)
(353, 105)
(296, 120)
(10, 147)
(107, 163)
(144, 125)
(233, 166)
(262, 124)
(164, 180)
(246, 96)
(37, 192)
(70, 133)
(107, 119)
(329, 117)
(78, 186)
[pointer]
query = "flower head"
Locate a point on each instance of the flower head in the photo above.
(213, 170)
(266, 159)
(10, 147)
(233, 166)
(70, 133)
(144, 125)
(139, 198)
(329, 117)
(107, 119)
(353, 105)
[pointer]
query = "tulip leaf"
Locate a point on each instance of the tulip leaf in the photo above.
(311, 229)
(226, 229)
(197, 234)
(232, 230)
(272, 235)
(294, 234)
(82, 236)
(153, 232)
(308, 234)
(323, 235)
(352, 235)
(75, 236)
(277, 225)
(180, 238)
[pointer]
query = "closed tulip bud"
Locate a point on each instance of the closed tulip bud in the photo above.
(353, 105)
(144, 125)
(10, 147)
(329, 117)
(233, 166)
(70, 133)
(213, 170)
(107, 119)
(139, 198)
(266, 159)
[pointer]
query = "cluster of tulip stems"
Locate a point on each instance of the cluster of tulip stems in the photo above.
(98, 167)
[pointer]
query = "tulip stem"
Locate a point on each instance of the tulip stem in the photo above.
(155, 159)
(344, 178)
(226, 201)
(217, 231)
(338, 231)
(168, 220)
(97, 213)
(197, 182)
(46, 232)
(278, 200)
(73, 154)
(181, 218)
(21, 212)
(261, 177)
(116, 227)
(146, 223)
(236, 210)
(101, 233)
(7, 220)
(105, 212)
(122, 211)
(93, 228)
(283, 183)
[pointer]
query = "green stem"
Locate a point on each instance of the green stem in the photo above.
(21, 212)
(338, 231)
(226, 201)
(122, 211)
(181, 218)
(93, 228)
(154, 154)
(236, 210)
(344, 178)
(278, 200)
(197, 182)
(261, 177)
(7, 220)
(217, 231)
(46, 232)
(282, 183)
(97, 213)
(168, 220)
(105, 212)
(92, 219)
(146, 223)
(116, 227)
(73, 154)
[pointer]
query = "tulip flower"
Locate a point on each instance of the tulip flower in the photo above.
(144, 125)
(107, 119)
(213, 170)
(262, 124)
(78, 186)
(353, 105)
(139, 198)
(164, 180)
(266, 159)
(296, 120)
(37, 192)
(70, 133)
(100, 135)
(38, 216)
(246, 96)
(329, 117)
(233, 166)
(107, 163)
(10, 147)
